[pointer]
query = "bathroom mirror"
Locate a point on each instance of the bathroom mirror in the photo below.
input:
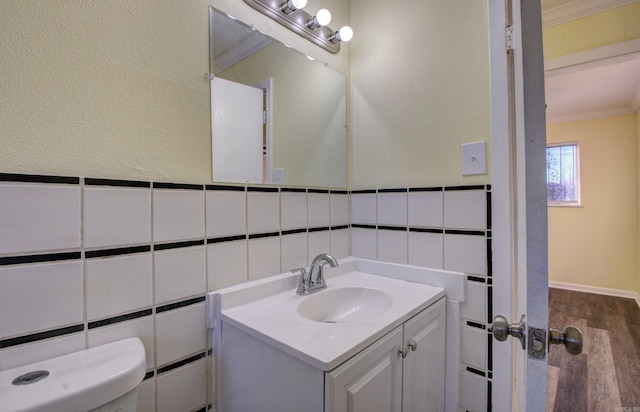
(278, 117)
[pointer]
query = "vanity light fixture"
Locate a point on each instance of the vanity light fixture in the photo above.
(344, 34)
(292, 5)
(323, 18)
(289, 13)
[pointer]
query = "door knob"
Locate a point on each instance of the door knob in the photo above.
(571, 338)
(501, 329)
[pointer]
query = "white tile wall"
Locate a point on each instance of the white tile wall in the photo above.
(339, 209)
(426, 249)
(294, 251)
(264, 257)
(465, 253)
(363, 208)
(180, 333)
(392, 246)
(55, 297)
(263, 209)
(182, 389)
(473, 350)
(178, 215)
(179, 273)
(319, 242)
(293, 210)
(425, 209)
(475, 305)
(226, 264)
(226, 213)
(319, 210)
(118, 285)
(36, 217)
(116, 216)
(465, 209)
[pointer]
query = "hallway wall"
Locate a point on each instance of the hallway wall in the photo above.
(596, 244)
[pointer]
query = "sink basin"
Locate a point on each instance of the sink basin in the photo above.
(345, 305)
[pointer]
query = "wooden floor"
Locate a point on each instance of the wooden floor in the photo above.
(606, 376)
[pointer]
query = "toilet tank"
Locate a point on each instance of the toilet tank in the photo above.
(103, 379)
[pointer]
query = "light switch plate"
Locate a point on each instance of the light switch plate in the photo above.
(278, 176)
(474, 159)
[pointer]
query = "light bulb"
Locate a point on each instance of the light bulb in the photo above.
(292, 5)
(345, 33)
(323, 17)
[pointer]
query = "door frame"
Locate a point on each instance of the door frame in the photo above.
(519, 209)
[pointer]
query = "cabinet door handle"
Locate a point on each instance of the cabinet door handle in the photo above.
(403, 352)
(413, 345)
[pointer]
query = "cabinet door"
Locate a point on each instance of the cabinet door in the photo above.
(370, 381)
(424, 367)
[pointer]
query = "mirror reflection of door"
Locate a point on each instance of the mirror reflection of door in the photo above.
(237, 111)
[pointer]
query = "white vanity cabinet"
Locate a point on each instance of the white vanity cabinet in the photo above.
(254, 376)
(380, 379)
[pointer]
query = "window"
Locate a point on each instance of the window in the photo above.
(563, 175)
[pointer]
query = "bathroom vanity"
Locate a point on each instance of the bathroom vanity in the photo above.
(366, 343)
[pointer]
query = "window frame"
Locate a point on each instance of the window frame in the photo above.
(568, 203)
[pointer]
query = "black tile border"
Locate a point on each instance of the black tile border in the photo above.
(476, 371)
(226, 239)
(477, 279)
(361, 226)
(319, 229)
(339, 227)
(469, 187)
(293, 231)
(225, 187)
(181, 304)
(35, 337)
(262, 189)
(49, 257)
(394, 228)
(489, 257)
(490, 351)
(339, 192)
(183, 362)
(116, 252)
(489, 389)
(426, 189)
(361, 192)
(476, 325)
(488, 210)
(179, 186)
(396, 190)
(292, 190)
(263, 235)
(178, 245)
(464, 232)
(119, 319)
(489, 303)
(24, 178)
(426, 230)
(89, 181)
(320, 191)
(149, 375)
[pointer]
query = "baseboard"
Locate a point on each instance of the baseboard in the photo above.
(597, 290)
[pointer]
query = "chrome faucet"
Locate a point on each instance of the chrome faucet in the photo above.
(307, 284)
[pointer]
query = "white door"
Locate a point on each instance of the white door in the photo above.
(519, 208)
(236, 132)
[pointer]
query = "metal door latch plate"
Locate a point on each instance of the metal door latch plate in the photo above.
(537, 343)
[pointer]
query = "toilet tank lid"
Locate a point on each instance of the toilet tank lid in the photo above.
(79, 381)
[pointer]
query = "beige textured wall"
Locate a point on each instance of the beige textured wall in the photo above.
(420, 88)
(116, 89)
(597, 244)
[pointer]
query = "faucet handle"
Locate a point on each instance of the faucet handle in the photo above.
(303, 284)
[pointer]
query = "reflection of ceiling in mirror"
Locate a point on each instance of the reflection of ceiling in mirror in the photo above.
(233, 41)
(561, 11)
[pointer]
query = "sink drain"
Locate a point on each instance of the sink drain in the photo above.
(29, 378)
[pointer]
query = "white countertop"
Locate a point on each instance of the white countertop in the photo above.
(271, 315)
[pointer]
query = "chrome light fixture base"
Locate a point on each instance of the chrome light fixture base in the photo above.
(298, 22)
